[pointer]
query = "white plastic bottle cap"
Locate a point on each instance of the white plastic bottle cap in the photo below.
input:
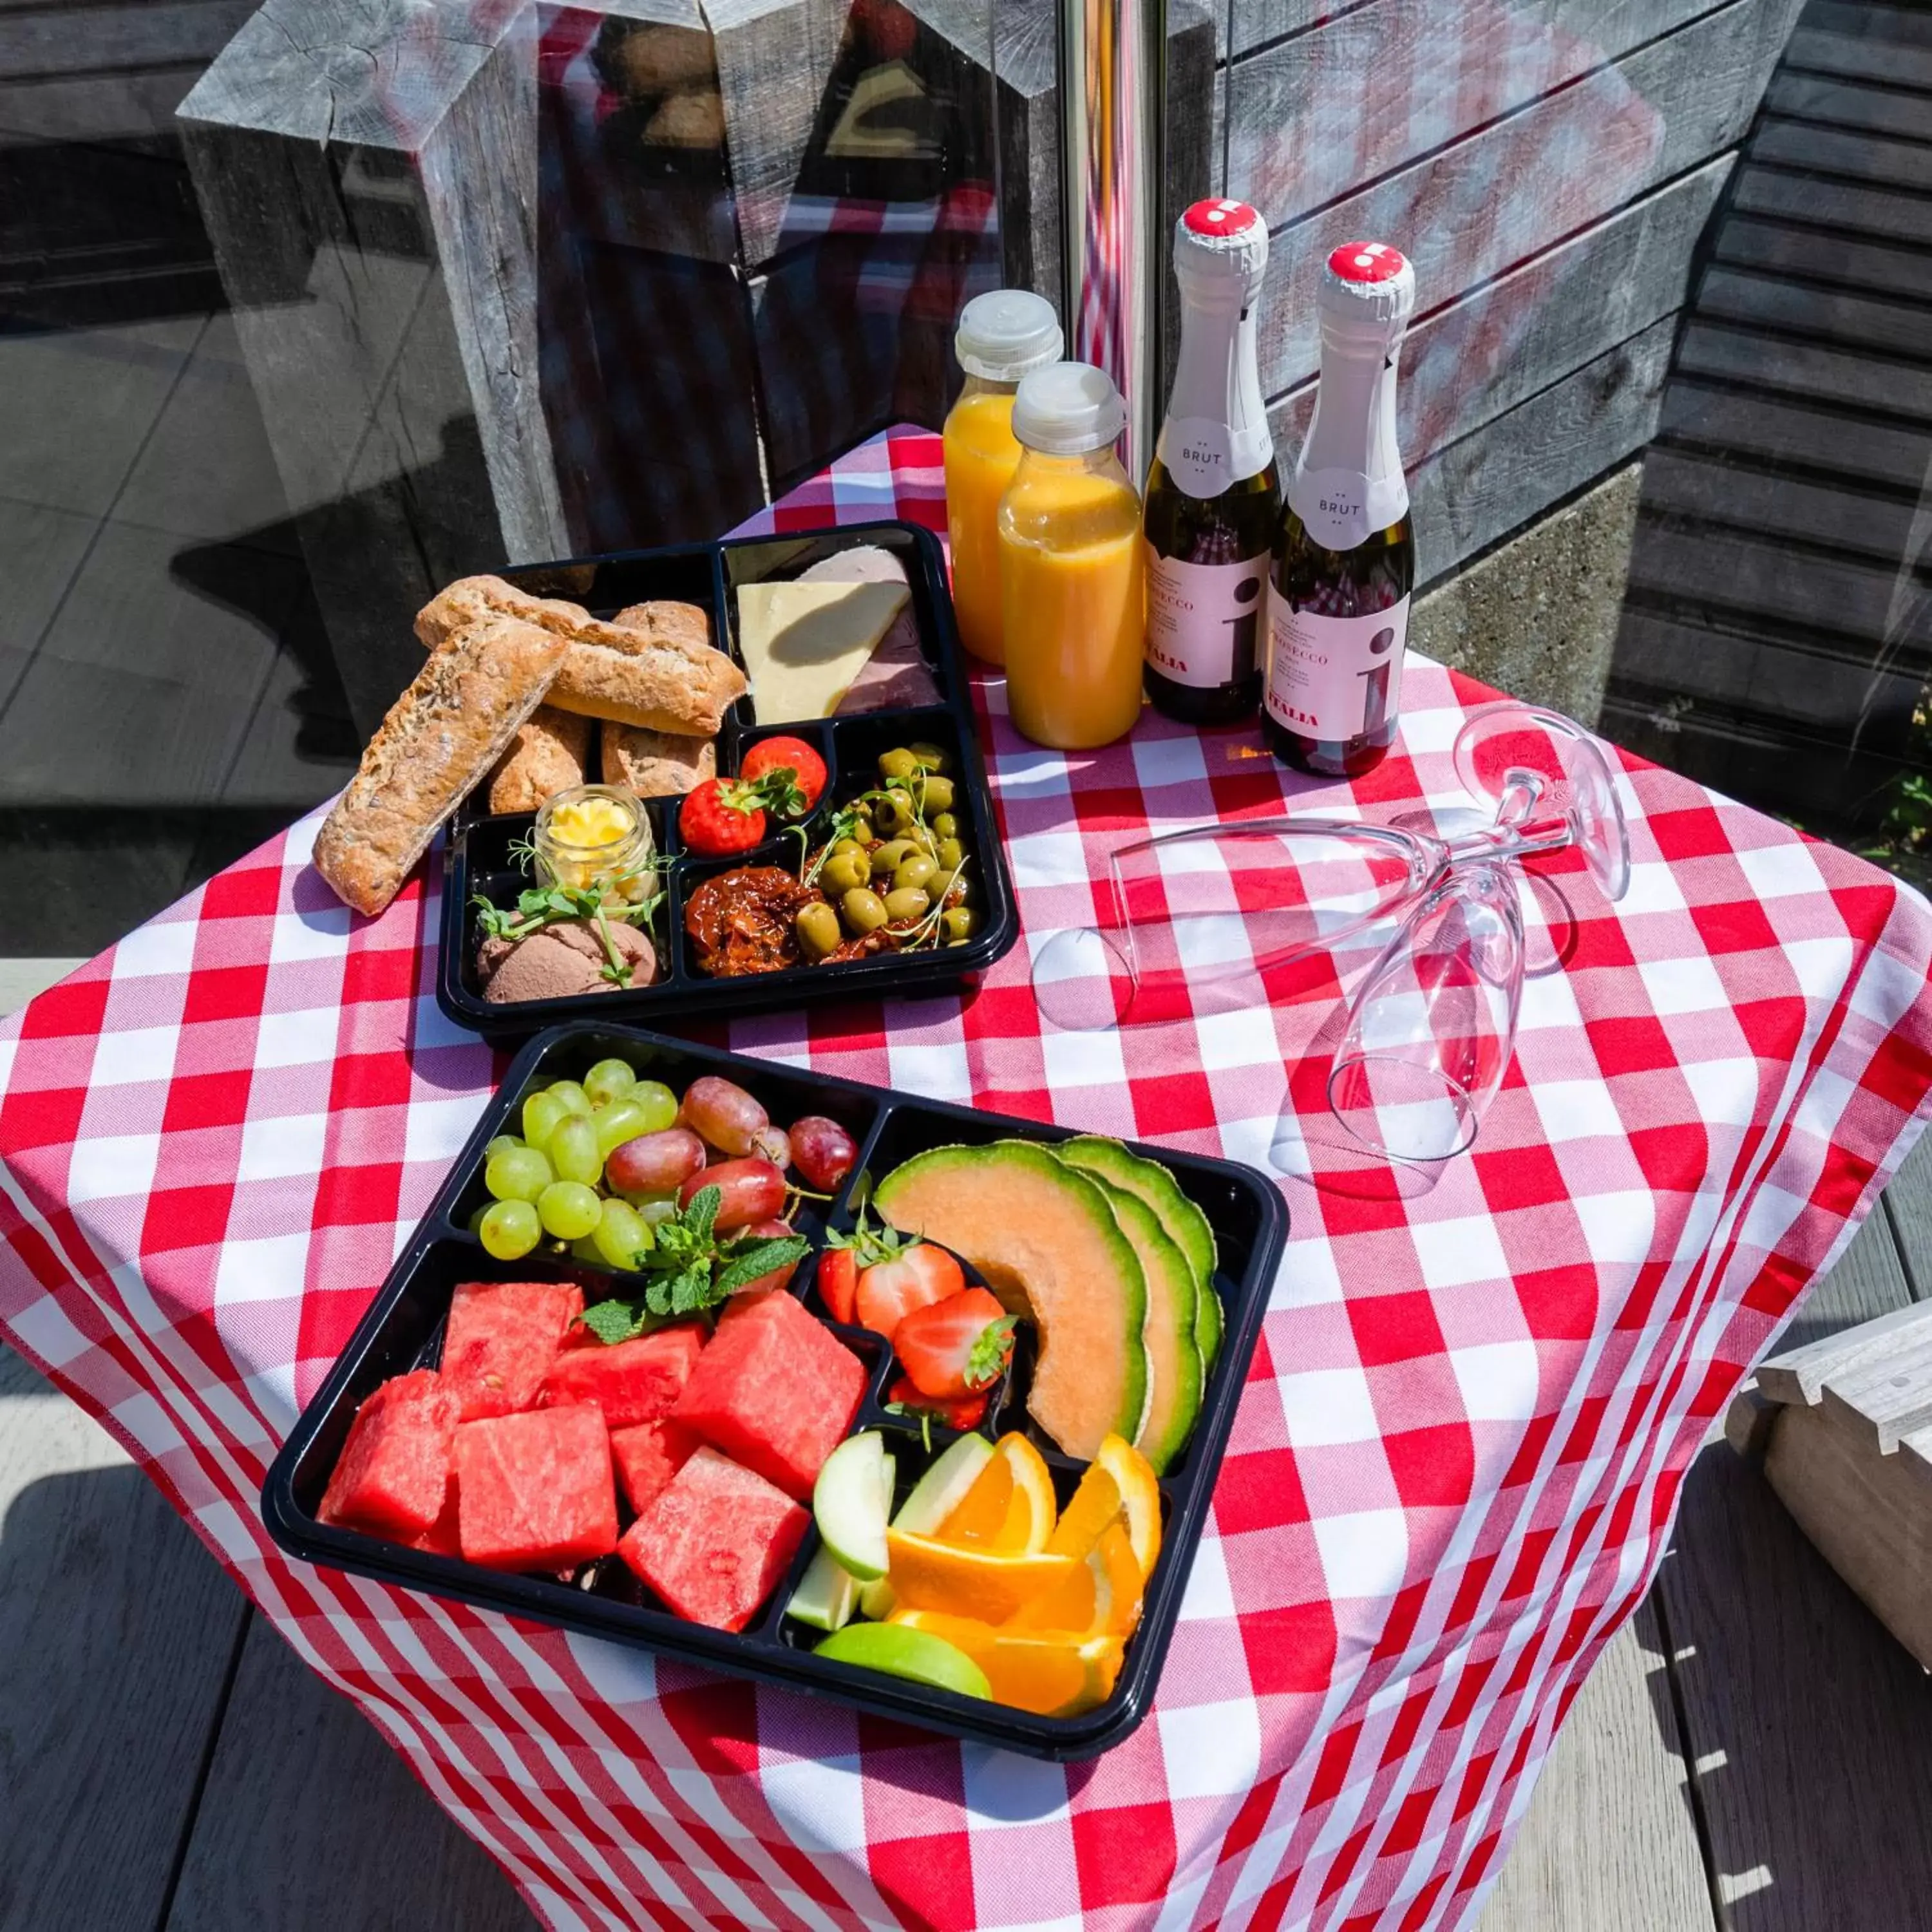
(1004, 333)
(1068, 409)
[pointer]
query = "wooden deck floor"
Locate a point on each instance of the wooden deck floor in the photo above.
(1753, 1753)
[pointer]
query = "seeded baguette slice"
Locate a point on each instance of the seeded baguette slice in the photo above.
(655, 764)
(654, 670)
(439, 741)
(547, 755)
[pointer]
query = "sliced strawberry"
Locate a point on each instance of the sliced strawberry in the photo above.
(967, 1412)
(956, 1347)
(889, 1291)
(839, 1282)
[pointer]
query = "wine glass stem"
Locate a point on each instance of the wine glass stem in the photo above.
(1495, 842)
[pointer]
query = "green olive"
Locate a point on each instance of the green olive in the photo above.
(915, 871)
(899, 764)
(886, 858)
(839, 845)
(922, 840)
(944, 826)
(931, 757)
(907, 902)
(862, 833)
(844, 871)
(895, 813)
(936, 794)
(863, 911)
(959, 923)
(818, 930)
(951, 855)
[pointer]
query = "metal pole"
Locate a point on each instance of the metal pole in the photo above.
(1113, 93)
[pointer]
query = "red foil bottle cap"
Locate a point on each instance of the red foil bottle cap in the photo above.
(1219, 217)
(1367, 262)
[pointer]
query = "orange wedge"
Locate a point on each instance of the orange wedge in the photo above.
(1099, 1596)
(926, 1574)
(1057, 1673)
(1010, 1508)
(1096, 1504)
(1140, 1496)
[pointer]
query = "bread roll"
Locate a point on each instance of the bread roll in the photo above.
(656, 764)
(657, 672)
(439, 739)
(547, 756)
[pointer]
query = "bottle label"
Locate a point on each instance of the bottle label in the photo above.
(1205, 455)
(1204, 620)
(1334, 678)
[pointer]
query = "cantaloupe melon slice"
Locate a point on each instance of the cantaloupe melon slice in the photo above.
(1173, 1357)
(1187, 1226)
(1049, 1246)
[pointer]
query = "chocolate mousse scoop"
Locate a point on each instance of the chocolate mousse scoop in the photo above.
(561, 960)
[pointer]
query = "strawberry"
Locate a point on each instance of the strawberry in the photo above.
(890, 1290)
(956, 1347)
(967, 1412)
(795, 757)
(839, 1282)
(722, 818)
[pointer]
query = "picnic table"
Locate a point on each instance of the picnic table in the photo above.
(1457, 1452)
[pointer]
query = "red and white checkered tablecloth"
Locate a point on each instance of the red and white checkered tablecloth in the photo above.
(1454, 1462)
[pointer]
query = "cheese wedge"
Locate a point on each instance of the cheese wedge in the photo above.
(804, 642)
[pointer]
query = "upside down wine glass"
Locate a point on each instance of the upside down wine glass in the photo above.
(1430, 1030)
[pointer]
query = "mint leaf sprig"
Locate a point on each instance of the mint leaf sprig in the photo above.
(691, 1268)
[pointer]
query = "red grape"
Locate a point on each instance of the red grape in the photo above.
(823, 1152)
(753, 1191)
(654, 1163)
(769, 1231)
(772, 1143)
(723, 1113)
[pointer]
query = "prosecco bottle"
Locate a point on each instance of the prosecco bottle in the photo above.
(1213, 492)
(1344, 560)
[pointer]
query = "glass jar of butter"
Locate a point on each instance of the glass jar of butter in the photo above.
(596, 835)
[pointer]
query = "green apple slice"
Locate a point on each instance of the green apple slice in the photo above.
(899, 1650)
(827, 1593)
(851, 1502)
(934, 1497)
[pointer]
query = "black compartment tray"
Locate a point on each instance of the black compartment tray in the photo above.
(477, 854)
(403, 1329)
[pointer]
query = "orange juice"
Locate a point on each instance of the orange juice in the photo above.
(981, 456)
(1071, 587)
(1002, 336)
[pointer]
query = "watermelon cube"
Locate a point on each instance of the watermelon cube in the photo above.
(443, 1537)
(501, 1338)
(715, 1542)
(631, 1381)
(775, 1390)
(393, 1474)
(534, 1491)
(647, 1457)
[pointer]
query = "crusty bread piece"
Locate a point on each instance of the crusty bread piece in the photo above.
(656, 764)
(665, 617)
(439, 739)
(547, 756)
(659, 674)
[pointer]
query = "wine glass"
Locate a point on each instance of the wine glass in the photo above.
(1212, 906)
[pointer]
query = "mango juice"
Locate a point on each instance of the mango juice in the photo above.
(981, 456)
(1073, 598)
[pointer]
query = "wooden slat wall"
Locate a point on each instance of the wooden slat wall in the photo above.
(1777, 633)
(1550, 166)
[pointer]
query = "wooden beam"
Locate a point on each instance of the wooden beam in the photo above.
(1497, 346)
(1499, 196)
(1374, 88)
(1478, 489)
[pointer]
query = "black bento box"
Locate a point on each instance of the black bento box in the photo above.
(403, 1330)
(477, 854)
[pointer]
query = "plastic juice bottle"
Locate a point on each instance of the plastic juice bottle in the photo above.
(1002, 336)
(1072, 578)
